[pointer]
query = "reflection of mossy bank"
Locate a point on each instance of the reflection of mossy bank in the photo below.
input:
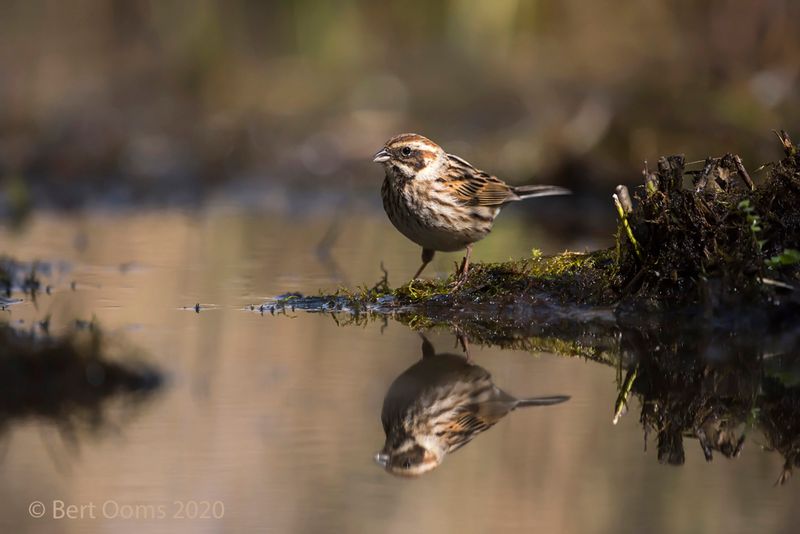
(702, 384)
(779, 417)
(705, 385)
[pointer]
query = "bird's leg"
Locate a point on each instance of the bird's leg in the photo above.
(427, 347)
(464, 269)
(427, 256)
(461, 338)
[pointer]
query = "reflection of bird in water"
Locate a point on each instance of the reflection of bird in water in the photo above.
(437, 406)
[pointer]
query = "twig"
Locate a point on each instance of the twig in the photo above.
(788, 147)
(624, 199)
(624, 218)
(708, 167)
(743, 172)
(622, 399)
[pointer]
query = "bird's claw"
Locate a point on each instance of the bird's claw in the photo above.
(461, 338)
(459, 282)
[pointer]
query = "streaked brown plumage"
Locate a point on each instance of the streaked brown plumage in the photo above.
(437, 406)
(440, 201)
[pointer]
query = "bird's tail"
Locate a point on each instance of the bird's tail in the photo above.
(530, 191)
(542, 401)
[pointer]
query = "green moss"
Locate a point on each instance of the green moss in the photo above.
(422, 290)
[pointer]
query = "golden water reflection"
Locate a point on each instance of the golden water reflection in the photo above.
(277, 417)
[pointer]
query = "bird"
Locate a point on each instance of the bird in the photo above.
(437, 406)
(440, 201)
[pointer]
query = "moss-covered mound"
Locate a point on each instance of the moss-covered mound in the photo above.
(582, 278)
(707, 236)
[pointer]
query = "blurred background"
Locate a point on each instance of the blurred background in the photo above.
(167, 167)
(168, 101)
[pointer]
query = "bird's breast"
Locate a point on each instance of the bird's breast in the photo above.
(428, 214)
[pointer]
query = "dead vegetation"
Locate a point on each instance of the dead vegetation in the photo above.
(718, 240)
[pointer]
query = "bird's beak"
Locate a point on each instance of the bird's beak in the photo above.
(382, 459)
(381, 156)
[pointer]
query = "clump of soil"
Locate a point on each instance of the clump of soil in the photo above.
(719, 238)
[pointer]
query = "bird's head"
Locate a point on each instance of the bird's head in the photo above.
(410, 459)
(409, 156)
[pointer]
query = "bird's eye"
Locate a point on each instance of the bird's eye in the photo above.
(406, 151)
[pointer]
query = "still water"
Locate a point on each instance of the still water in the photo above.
(273, 422)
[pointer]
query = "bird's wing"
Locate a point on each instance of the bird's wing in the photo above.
(474, 419)
(461, 430)
(473, 187)
(482, 415)
(494, 410)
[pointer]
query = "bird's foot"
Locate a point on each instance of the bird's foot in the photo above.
(461, 279)
(462, 270)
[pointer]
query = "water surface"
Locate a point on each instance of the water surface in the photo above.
(278, 417)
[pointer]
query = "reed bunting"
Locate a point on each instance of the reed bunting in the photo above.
(441, 202)
(437, 406)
